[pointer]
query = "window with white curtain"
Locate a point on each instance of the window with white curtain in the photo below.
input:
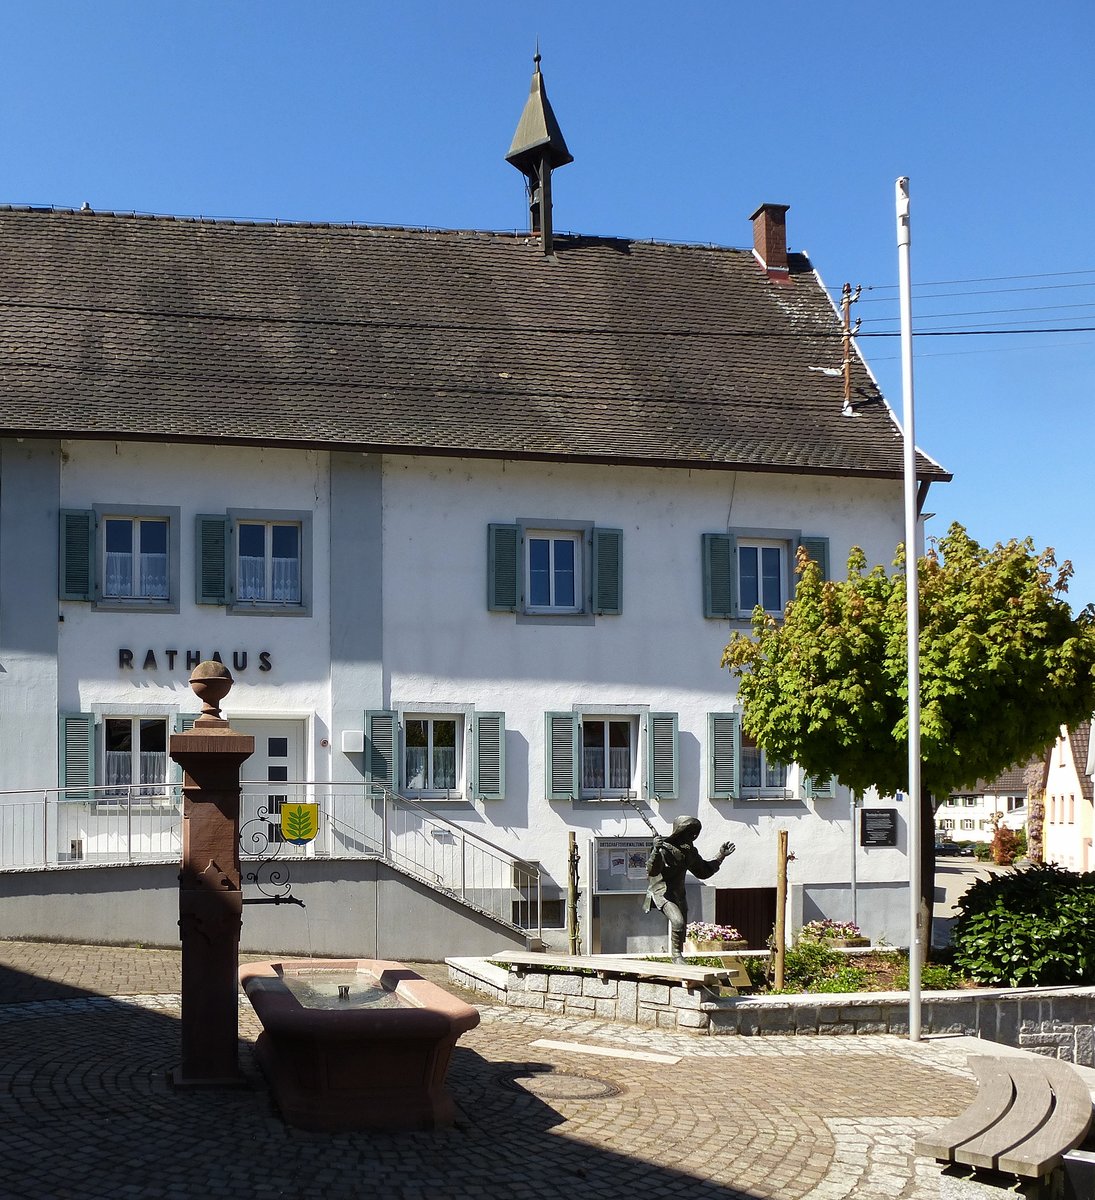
(135, 755)
(608, 754)
(760, 774)
(268, 562)
(431, 753)
(135, 558)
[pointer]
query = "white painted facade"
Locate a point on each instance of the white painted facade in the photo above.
(1069, 816)
(397, 621)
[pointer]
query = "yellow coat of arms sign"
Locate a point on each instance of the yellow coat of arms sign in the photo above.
(299, 823)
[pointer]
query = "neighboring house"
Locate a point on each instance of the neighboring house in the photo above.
(971, 815)
(1069, 817)
(466, 519)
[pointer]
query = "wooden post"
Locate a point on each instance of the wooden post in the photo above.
(572, 891)
(781, 906)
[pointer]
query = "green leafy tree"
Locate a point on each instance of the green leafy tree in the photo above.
(1003, 664)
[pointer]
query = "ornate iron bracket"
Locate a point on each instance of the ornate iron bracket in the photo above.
(270, 874)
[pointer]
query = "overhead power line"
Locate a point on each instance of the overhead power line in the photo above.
(892, 287)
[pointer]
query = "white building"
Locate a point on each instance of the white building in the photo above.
(1070, 801)
(972, 815)
(464, 518)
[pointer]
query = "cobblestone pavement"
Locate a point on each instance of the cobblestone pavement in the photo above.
(87, 1035)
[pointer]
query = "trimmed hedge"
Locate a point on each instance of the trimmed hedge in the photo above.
(1034, 927)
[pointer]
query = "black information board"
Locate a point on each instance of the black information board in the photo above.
(878, 826)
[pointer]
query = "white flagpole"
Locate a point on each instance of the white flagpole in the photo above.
(912, 601)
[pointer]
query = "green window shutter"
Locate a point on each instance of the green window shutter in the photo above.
(820, 789)
(503, 542)
(184, 722)
(214, 572)
(723, 755)
(607, 571)
(77, 546)
(490, 755)
(561, 744)
(76, 744)
(720, 575)
(381, 729)
(817, 548)
(662, 761)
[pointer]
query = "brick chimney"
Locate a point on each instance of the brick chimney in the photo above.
(770, 240)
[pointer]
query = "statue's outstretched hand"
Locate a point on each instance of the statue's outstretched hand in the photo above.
(726, 849)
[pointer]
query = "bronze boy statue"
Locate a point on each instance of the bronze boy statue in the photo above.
(669, 862)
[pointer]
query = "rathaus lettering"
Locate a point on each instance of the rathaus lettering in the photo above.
(188, 659)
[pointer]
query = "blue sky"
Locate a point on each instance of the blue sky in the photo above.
(681, 118)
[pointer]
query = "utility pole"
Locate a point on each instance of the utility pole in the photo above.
(847, 299)
(919, 921)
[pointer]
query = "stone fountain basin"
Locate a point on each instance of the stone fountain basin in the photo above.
(348, 1068)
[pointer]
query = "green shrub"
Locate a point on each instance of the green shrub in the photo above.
(934, 976)
(756, 967)
(982, 851)
(806, 963)
(1034, 927)
(843, 979)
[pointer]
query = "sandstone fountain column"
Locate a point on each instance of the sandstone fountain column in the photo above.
(210, 894)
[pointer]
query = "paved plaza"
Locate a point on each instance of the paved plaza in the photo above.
(550, 1107)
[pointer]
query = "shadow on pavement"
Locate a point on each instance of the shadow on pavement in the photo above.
(87, 1112)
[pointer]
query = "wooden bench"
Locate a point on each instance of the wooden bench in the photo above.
(630, 968)
(1028, 1113)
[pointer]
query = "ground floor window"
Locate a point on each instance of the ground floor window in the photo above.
(607, 754)
(135, 753)
(431, 757)
(758, 772)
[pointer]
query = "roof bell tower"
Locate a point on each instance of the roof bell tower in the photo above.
(538, 147)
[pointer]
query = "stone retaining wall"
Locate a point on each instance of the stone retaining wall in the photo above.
(1056, 1022)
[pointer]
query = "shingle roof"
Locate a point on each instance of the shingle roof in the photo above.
(1080, 737)
(426, 342)
(1012, 782)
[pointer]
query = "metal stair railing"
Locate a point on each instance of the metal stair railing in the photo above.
(91, 826)
(370, 818)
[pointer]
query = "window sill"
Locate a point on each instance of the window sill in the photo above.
(131, 604)
(769, 796)
(262, 608)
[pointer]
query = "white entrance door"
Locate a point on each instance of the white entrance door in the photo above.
(272, 775)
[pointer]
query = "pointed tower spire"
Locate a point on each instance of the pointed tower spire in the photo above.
(538, 147)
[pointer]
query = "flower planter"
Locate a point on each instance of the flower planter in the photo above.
(699, 948)
(848, 943)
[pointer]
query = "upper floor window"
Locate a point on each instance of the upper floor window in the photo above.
(135, 558)
(747, 568)
(253, 561)
(555, 570)
(121, 556)
(268, 562)
(762, 573)
(553, 565)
